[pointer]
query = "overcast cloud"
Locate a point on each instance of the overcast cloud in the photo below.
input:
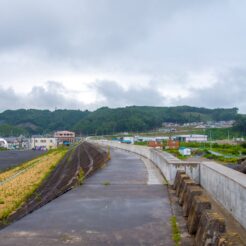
(90, 53)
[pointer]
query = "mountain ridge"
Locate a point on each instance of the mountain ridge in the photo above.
(106, 120)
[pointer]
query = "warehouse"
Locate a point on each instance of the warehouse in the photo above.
(43, 143)
(191, 138)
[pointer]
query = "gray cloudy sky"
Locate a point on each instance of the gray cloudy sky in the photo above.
(89, 53)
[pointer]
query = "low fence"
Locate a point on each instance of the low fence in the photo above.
(227, 186)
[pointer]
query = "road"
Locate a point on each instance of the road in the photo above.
(118, 205)
(13, 158)
(215, 153)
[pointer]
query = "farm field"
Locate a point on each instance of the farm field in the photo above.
(18, 183)
(13, 158)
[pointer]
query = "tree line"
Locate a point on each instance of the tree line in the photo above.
(106, 120)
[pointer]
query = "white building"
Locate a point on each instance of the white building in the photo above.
(151, 138)
(192, 138)
(3, 143)
(185, 151)
(43, 143)
(129, 140)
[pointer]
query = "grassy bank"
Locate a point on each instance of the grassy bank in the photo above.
(224, 153)
(19, 183)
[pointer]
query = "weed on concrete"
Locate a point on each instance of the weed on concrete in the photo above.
(176, 237)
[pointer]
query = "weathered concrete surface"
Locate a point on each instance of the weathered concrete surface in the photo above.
(211, 225)
(184, 186)
(227, 186)
(125, 212)
(154, 174)
(192, 191)
(199, 204)
(177, 179)
(229, 239)
(180, 182)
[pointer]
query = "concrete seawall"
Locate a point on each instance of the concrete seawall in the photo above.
(226, 186)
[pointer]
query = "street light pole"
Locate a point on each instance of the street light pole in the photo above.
(210, 139)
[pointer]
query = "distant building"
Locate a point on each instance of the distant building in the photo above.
(144, 139)
(154, 144)
(185, 151)
(13, 143)
(43, 143)
(26, 143)
(128, 140)
(238, 139)
(65, 137)
(3, 143)
(161, 138)
(147, 139)
(172, 144)
(191, 138)
(201, 127)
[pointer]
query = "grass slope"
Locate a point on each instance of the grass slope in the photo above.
(19, 183)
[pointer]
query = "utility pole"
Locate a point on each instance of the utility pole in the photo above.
(210, 139)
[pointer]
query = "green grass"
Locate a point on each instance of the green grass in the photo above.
(19, 198)
(81, 176)
(106, 183)
(176, 237)
(109, 155)
(176, 153)
(37, 197)
(141, 143)
(165, 182)
(221, 158)
(229, 153)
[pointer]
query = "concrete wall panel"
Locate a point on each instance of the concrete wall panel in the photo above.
(227, 186)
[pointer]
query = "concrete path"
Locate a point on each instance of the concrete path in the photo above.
(115, 206)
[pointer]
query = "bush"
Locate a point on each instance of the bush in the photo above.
(243, 145)
(215, 145)
(243, 152)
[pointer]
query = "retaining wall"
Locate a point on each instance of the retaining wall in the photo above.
(227, 186)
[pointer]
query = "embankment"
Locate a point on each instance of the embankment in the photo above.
(77, 164)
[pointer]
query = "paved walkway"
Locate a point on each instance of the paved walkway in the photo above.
(115, 206)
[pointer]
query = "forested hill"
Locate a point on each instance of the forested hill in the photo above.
(105, 120)
(32, 121)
